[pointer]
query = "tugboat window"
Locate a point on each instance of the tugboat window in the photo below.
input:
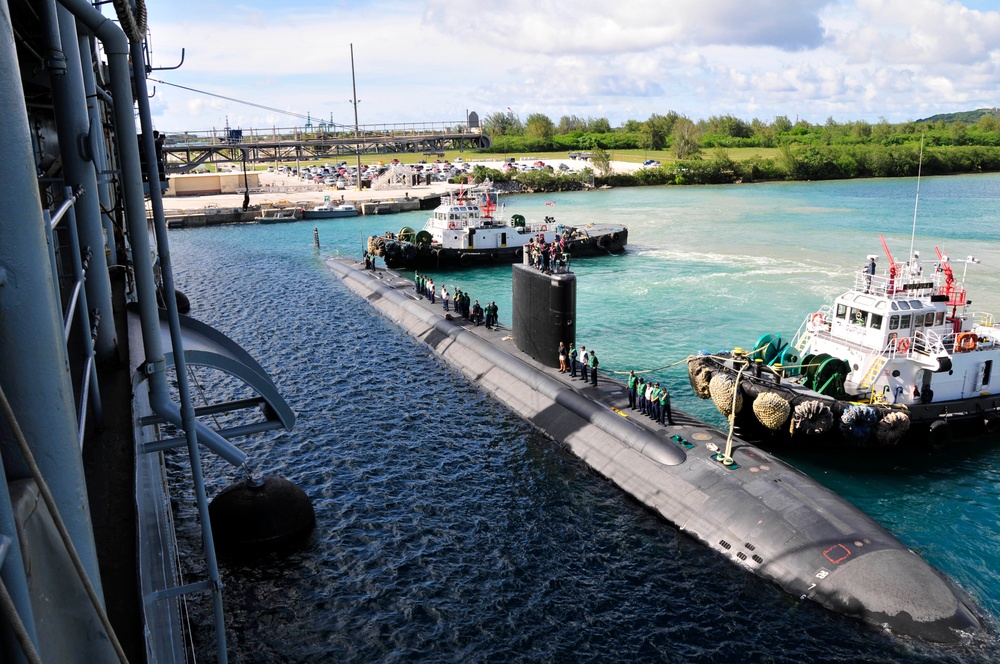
(940, 318)
(859, 317)
(987, 370)
(929, 319)
(904, 322)
(893, 322)
(876, 322)
(918, 321)
(841, 310)
(903, 305)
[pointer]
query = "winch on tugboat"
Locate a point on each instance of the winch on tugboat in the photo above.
(899, 360)
(463, 232)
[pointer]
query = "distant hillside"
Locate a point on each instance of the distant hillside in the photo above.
(970, 117)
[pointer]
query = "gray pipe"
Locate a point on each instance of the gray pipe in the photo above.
(73, 125)
(34, 370)
(116, 49)
(97, 144)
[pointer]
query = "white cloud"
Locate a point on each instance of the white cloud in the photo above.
(432, 60)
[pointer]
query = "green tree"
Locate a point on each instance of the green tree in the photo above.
(571, 123)
(988, 123)
(601, 161)
(598, 126)
(502, 124)
(685, 139)
(882, 131)
(861, 130)
(782, 124)
(728, 125)
(538, 125)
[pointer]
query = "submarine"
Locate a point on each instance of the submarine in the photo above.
(738, 500)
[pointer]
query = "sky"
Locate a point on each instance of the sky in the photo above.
(434, 60)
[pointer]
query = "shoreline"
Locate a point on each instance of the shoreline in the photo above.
(279, 182)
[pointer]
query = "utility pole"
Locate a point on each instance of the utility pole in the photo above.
(357, 136)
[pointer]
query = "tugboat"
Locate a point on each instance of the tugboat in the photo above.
(898, 360)
(462, 232)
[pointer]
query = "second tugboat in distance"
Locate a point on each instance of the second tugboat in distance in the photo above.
(462, 232)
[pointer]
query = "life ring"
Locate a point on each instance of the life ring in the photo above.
(903, 345)
(816, 321)
(965, 342)
(544, 228)
(451, 226)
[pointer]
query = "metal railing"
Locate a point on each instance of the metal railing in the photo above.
(76, 314)
(319, 131)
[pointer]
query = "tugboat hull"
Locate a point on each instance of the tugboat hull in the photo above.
(410, 256)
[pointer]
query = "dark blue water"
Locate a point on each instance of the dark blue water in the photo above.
(449, 530)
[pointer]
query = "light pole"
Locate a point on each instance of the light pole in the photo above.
(357, 137)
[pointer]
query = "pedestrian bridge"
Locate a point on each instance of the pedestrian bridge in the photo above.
(185, 151)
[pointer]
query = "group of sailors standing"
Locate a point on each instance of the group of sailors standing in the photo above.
(461, 302)
(548, 257)
(650, 398)
(571, 360)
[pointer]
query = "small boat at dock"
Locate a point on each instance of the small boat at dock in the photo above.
(328, 210)
(282, 216)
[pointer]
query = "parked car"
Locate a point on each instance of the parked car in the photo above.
(652, 163)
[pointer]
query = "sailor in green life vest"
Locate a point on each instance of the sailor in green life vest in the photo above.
(572, 361)
(593, 368)
(654, 402)
(631, 389)
(665, 405)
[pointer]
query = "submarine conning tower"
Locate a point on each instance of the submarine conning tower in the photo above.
(543, 312)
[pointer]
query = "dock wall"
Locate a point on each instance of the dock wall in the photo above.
(213, 216)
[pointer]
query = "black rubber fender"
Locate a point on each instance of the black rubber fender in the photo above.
(939, 436)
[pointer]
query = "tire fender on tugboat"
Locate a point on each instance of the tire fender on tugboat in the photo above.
(939, 436)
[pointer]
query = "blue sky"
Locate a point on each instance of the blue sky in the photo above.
(432, 60)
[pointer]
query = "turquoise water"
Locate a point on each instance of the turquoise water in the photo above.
(420, 480)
